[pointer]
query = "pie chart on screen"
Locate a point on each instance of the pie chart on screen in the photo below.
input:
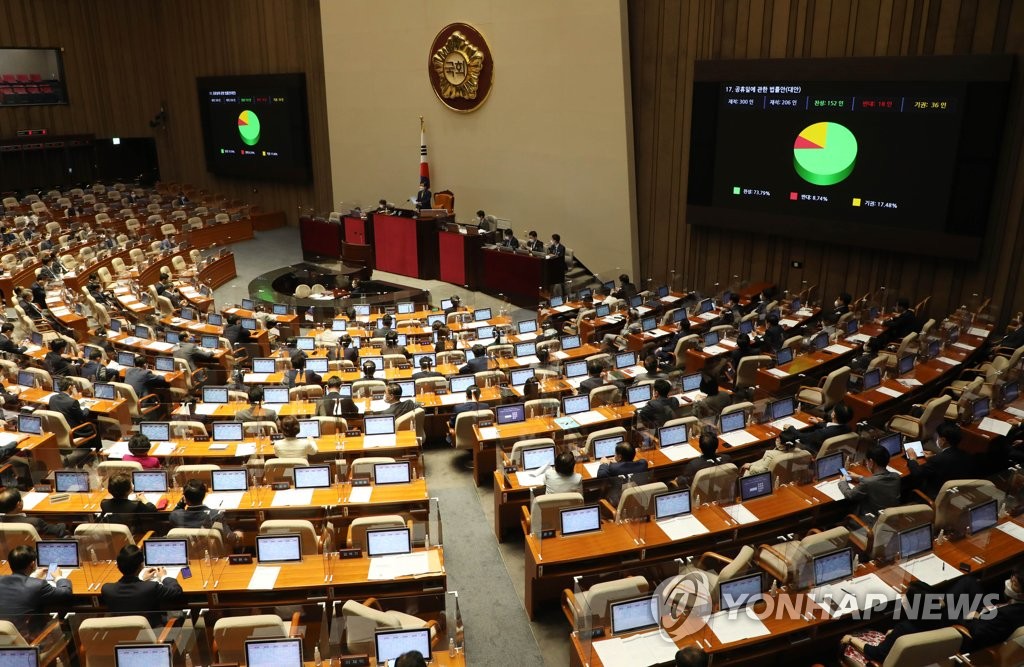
(249, 127)
(824, 153)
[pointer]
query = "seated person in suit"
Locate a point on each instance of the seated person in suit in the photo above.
(12, 510)
(26, 595)
(391, 345)
(7, 343)
(652, 370)
(625, 462)
(478, 363)
(509, 240)
(709, 457)
(138, 448)
(119, 509)
(411, 659)
(743, 349)
(384, 329)
(774, 335)
(333, 404)
(903, 322)
(91, 368)
(369, 369)
(192, 353)
(877, 492)
(235, 333)
(691, 656)
(715, 400)
(142, 378)
(950, 462)
(291, 446)
(297, 375)
(55, 361)
(256, 412)
(484, 222)
(534, 244)
(770, 456)
(190, 512)
(471, 404)
(812, 438)
(139, 590)
(840, 307)
(595, 377)
(661, 407)
(544, 362)
(626, 288)
(347, 351)
(68, 406)
(426, 370)
(396, 406)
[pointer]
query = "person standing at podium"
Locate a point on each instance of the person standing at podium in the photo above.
(534, 244)
(556, 247)
(423, 197)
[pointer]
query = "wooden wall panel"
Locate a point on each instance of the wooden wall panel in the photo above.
(667, 36)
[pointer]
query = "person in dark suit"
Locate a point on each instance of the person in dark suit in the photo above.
(812, 438)
(27, 305)
(471, 404)
(347, 351)
(166, 288)
(71, 409)
(709, 457)
(120, 509)
(7, 343)
(509, 240)
(384, 329)
(903, 322)
(139, 590)
(595, 379)
(624, 465)
(333, 404)
(774, 335)
(652, 370)
(56, 363)
(235, 333)
(190, 352)
(661, 408)
(167, 244)
(426, 370)
(877, 492)
(556, 248)
(477, 363)
(424, 199)
(142, 378)
(91, 368)
(396, 406)
(840, 307)
(12, 510)
(626, 288)
(190, 512)
(411, 659)
(298, 375)
(26, 595)
(691, 656)
(534, 244)
(950, 463)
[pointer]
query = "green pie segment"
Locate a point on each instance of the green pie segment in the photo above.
(824, 153)
(249, 127)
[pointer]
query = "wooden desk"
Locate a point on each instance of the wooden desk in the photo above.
(259, 337)
(803, 370)
(519, 276)
(288, 325)
(404, 443)
(115, 409)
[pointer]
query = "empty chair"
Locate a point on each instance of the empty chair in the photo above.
(200, 540)
(791, 559)
(97, 637)
(107, 469)
(846, 443)
(922, 428)
(276, 470)
(635, 502)
(363, 466)
(878, 540)
(543, 513)
(462, 433)
(106, 539)
(357, 529)
(308, 538)
(714, 483)
(949, 509)
(16, 535)
(516, 456)
(200, 471)
(302, 291)
(367, 388)
(231, 632)
(222, 217)
(746, 373)
(542, 406)
(715, 569)
(831, 390)
(363, 619)
(594, 603)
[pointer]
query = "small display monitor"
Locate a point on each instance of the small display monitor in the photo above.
(215, 395)
(981, 516)
(309, 428)
(273, 653)
(521, 375)
(580, 519)
(746, 327)
(26, 379)
(575, 369)
(711, 338)
(432, 319)
(537, 457)
(893, 443)
(526, 326)
(556, 301)
(828, 466)
(248, 323)
(339, 325)
(570, 342)
(446, 304)
(387, 541)
(734, 421)
(672, 435)
(229, 479)
(115, 326)
(165, 364)
(312, 477)
(71, 481)
(126, 359)
(662, 291)
(669, 504)
(279, 548)
(625, 360)
(833, 566)
(459, 383)
(636, 614)
(264, 365)
(104, 391)
(149, 481)
(172, 337)
(905, 364)
(30, 424)
(275, 395)
(209, 342)
(691, 382)
(215, 319)
(979, 408)
(820, 341)
(510, 414)
(142, 331)
(406, 308)
(305, 343)
(872, 378)
(572, 405)
(914, 541)
(784, 356)
(482, 315)
(156, 431)
(19, 656)
(740, 592)
(782, 408)
(602, 310)
(1011, 390)
(636, 301)
(247, 304)
(604, 448)
(62, 552)
(755, 486)
(526, 349)
(399, 472)
(640, 393)
(648, 323)
(485, 333)
(705, 306)
(391, 644)
(282, 309)
(318, 365)
(379, 425)
(143, 655)
(169, 552)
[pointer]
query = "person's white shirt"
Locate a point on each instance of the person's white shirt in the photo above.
(556, 483)
(294, 448)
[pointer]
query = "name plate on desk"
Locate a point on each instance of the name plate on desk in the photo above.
(43, 488)
(485, 424)
(240, 559)
(350, 553)
(352, 433)
(201, 438)
(404, 367)
(440, 392)
(276, 436)
(510, 470)
(547, 534)
(365, 481)
(355, 661)
(593, 633)
(280, 486)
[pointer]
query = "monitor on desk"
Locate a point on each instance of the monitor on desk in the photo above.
(979, 408)
(740, 592)
(711, 338)
(905, 364)
(115, 326)
(229, 479)
(318, 365)
(62, 552)
(705, 306)
(216, 395)
(833, 566)
(389, 645)
(143, 655)
(165, 364)
(755, 486)
(579, 519)
(648, 323)
(625, 360)
(417, 358)
(482, 315)
(933, 349)
(172, 337)
(668, 504)
(312, 477)
(640, 393)
(282, 309)
(575, 369)
(526, 349)
(104, 391)
(914, 541)
(872, 378)
(309, 428)
(278, 548)
(538, 457)
(339, 325)
(30, 424)
(248, 323)
(126, 359)
(510, 414)
(521, 375)
(1010, 391)
(851, 327)
(602, 310)
(377, 361)
(636, 301)
(446, 304)
(526, 326)
(585, 294)
(379, 425)
(662, 291)
(556, 301)
(305, 343)
(165, 552)
(459, 383)
(691, 382)
(275, 395)
(604, 448)
(734, 421)
(387, 541)
(19, 656)
(828, 466)
(820, 341)
(215, 319)
(893, 443)
(209, 341)
(636, 614)
(981, 516)
(142, 331)
(273, 653)
(227, 431)
(149, 481)
(264, 365)
(71, 481)
(782, 408)
(485, 333)
(406, 307)
(156, 431)
(248, 304)
(570, 342)
(572, 405)
(784, 356)
(672, 435)
(399, 472)
(361, 309)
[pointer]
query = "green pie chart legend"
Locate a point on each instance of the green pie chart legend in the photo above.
(823, 153)
(249, 127)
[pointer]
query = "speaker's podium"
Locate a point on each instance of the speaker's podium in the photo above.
(519, 274)
(405, 244)
(459, 247)
(319, 237)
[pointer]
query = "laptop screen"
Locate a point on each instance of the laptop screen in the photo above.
(141, 331)
(784, 356)
(275, 395)
(391, 644)
(165, 364)
(482, 315)
(833, 566)
(149, 481)
(247, 304)
(604, 448)
(570, 342)
(828, 466)
(19, 656)
(602, 310)
(264, 365)
(536, 457)
(143, 655)
(309, 428)
(691, 382)
(399, 472)
(104, 390)
(526, 349)
(209, 342)
(575, 369)
(156, 431)
(282, 309)
(484, 333)
(521, 375)
(979, 409)
(636, 614)
(671, 503)
(526, 326)
(305, 343)
(905, 364)
(62, 552)
(893, 443)
(734, 421)
(705, 306)
(915, 541)
(711, 338)
(361, 309)
(820, 341)
(648, 323)
(574, 404)
(165, 552)
(625, 359)
(755, 486)
(638, 394)
(406, 308)
(71, 481)
(273, 653)
(312, 477)
(387, 541)
(379, 425)
(576, 520)
(278, 548)
(981, 516)
(510, 414)
(215, 319)
(30, 424)
(125, 359)
(172, 337)
(746, 327)
(784, 407)
(872, 378)
(234, 479)
(248, 323)
(227, 431)
(317, 365)
(740, 592)
(672, 435)
(557, 301)
(459, 383)
(339, 325)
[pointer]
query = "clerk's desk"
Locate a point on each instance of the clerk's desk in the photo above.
(991, 554)
(552, 563)
(664, 464)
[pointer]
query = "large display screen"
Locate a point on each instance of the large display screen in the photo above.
(256, 126)
(866, 151)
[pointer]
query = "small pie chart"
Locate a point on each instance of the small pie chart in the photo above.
(824, 153)
(249, 127)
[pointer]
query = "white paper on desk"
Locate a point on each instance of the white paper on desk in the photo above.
(778, 372)
(527, 336)
(736, 625)
(256, 377)
(995, 426)
(592, 467)
(947, 360)
(788, 421)
(160, 346)
(218, 446)
(889, 391)
(830, 489)
(130, 340)
(290, 497)
(563, 309)
(118, 450)
(1016, 412)
(1014, 530)
(452, 399)
(789, 323)
(930, 569)
(588, 417)
(379, 405)
(245, 449)
(529, 478)
(264, 578)
(399, 565)
(643, 310)
(644, 648)
(670, 299)
(714, 350)
(976, 331)
(681, 452)
(707, 316)
(738, 438)
(31, 499)
(526, 361)
(559, 354)
(965, 346)
(838, 348)
(682, 527)
(165, 449)
(489, 432)
(909, 382)
(740, 514)
(379, 440)
(859, 338)
(206, 409)
(360, 494)
(8, 439)
(854, 594)
(224, 500)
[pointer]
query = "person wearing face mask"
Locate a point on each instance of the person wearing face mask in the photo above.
(423, 196)
(840, 307)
